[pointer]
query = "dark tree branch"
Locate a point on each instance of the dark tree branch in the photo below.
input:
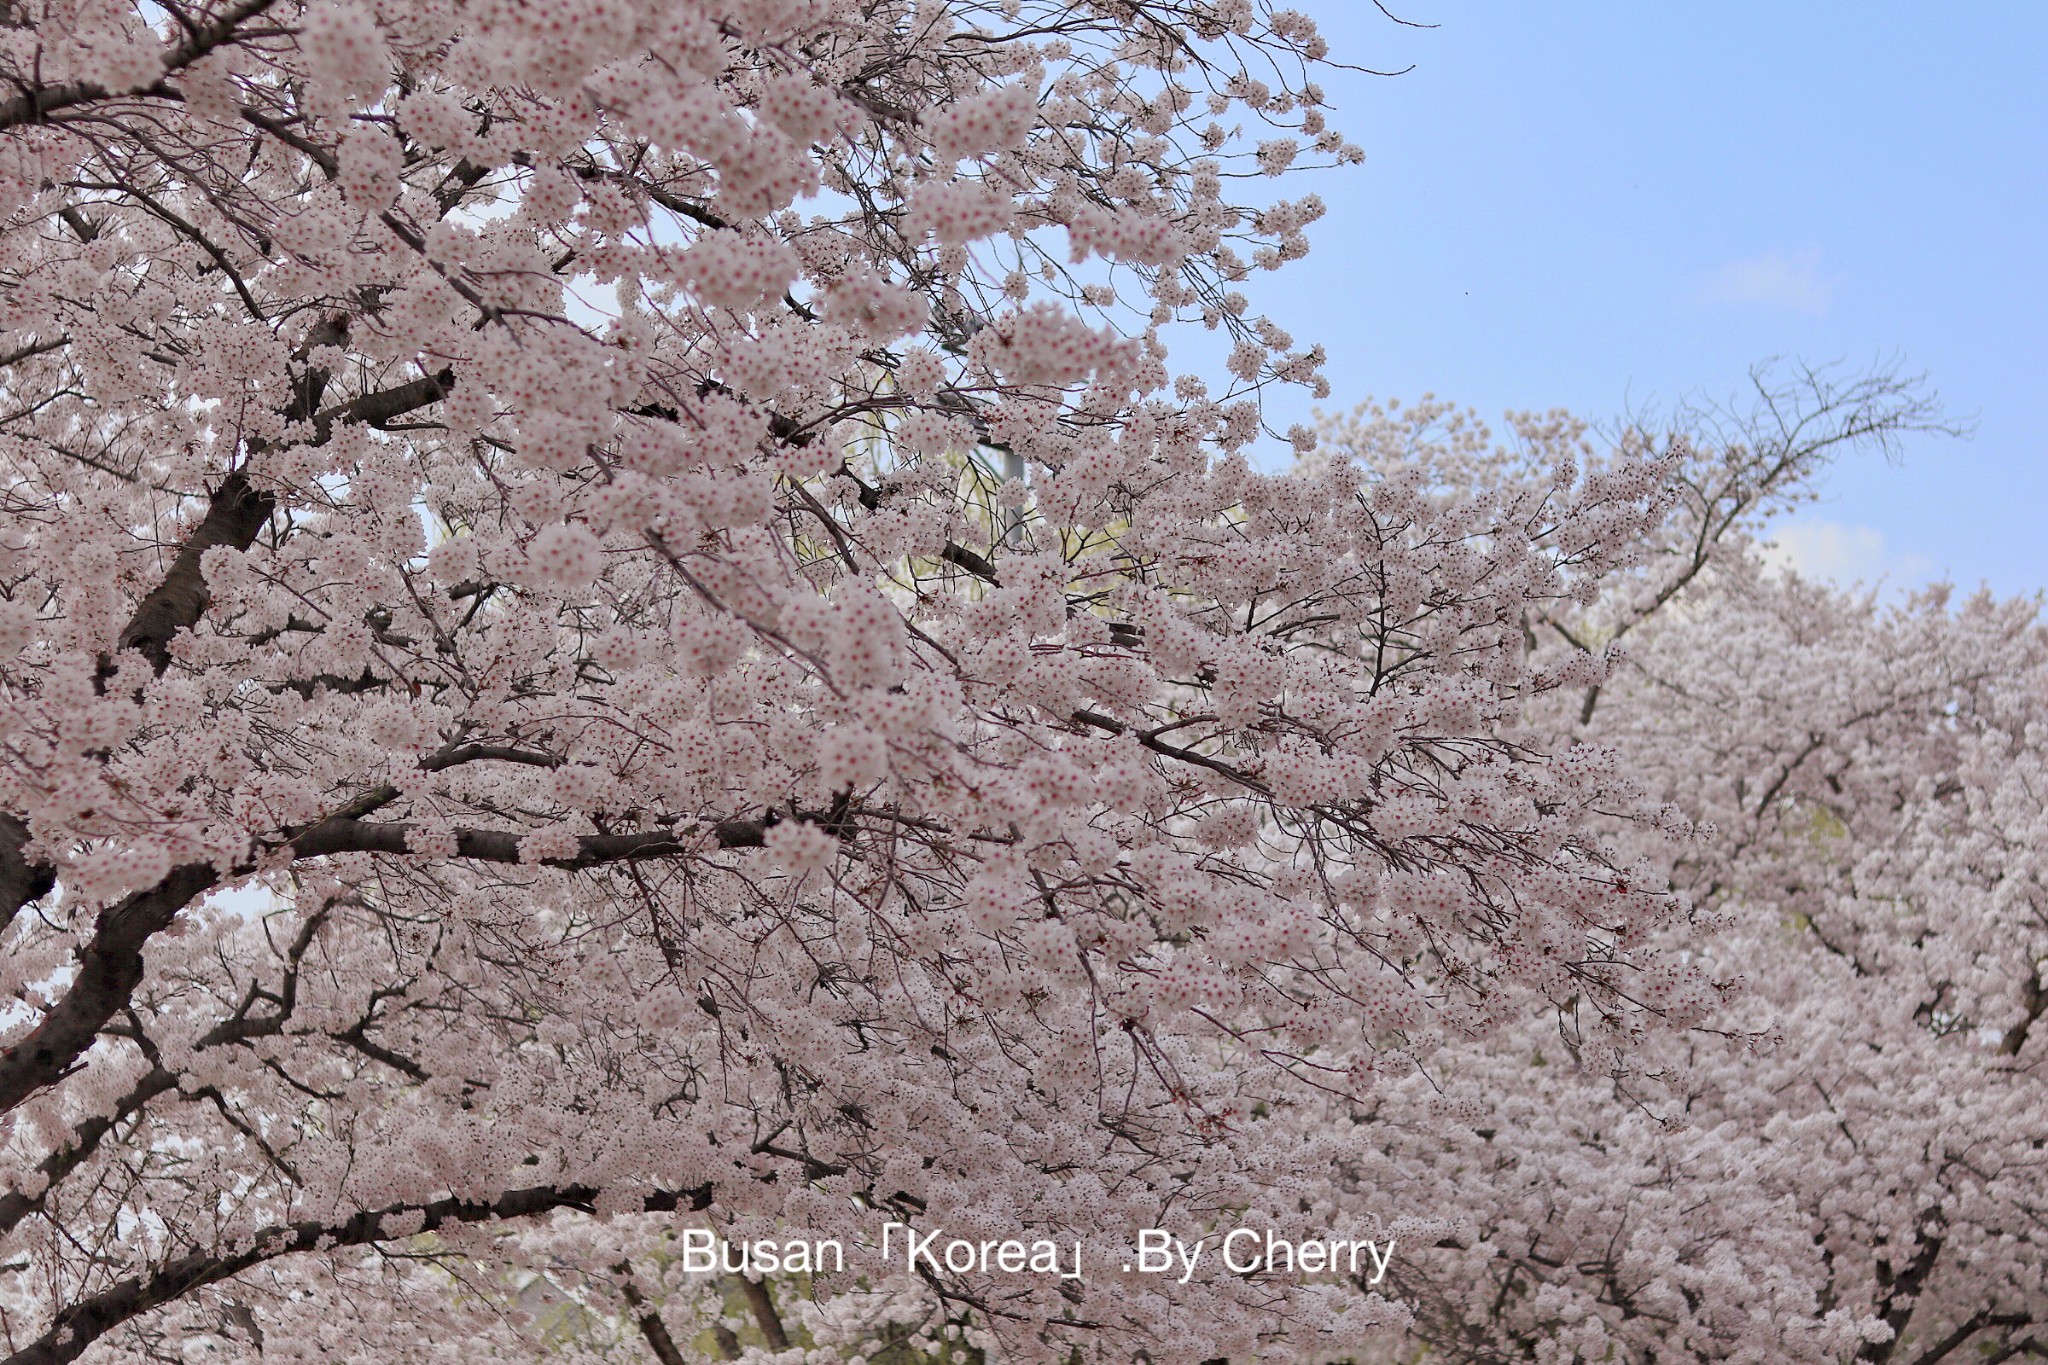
(651, 1326)
(33, 349)
(21, 881)
(345, 834)
(765, 1316)
(36, 104)
(85, 1140)
(110, 964)
(1902, 1291)
(375, 409)
(109, 970)
(89, 1319)
(235, 513)
(2034, 999)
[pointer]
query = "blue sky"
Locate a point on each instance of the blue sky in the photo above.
(1593, 205)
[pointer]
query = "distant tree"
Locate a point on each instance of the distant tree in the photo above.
(1844, 1160)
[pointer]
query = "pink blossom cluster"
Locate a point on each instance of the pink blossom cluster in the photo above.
(599, 635)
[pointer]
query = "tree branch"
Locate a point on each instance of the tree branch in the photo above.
(110, 964)
(651, 1326)
(235, 513)
(86, 1321)
(109, 970)
(21, 881)
(36, 104)
(2034, 1000)
(765, 1316)
(85, 1140)
(346, 834)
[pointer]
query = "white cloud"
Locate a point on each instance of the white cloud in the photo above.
(1772, 280)
(1841, 554)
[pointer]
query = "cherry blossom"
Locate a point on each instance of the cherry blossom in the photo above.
(615, 623)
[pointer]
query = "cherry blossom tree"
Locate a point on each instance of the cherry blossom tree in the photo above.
(1864, 1182)
(613, 617)
(1844, 1161)
(612, 621)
